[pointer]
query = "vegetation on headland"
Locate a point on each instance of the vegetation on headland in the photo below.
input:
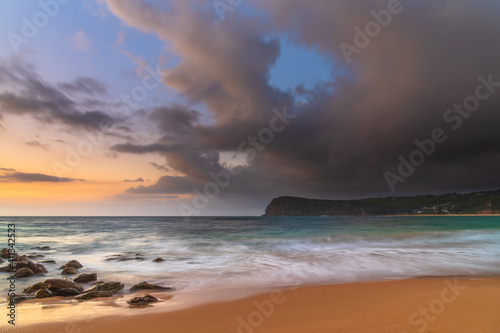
(478, 203)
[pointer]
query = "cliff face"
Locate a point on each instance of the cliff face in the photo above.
(484, 203)
(292, 206)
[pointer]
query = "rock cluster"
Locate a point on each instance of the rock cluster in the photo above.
(137, 302)
(149, 286)
(85, 278)
(68, 288)
(119, 257)
(22, 267)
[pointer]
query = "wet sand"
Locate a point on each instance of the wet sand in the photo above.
(468, 305)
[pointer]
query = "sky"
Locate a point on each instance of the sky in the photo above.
(193, 108)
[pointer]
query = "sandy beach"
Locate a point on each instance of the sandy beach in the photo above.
(418, 305)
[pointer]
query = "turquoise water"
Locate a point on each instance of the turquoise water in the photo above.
(216, 252)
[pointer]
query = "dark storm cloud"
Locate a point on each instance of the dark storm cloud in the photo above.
(24, 92)
(21, 177)
(176, 120)
(348, 133)
(176, 124)
(85, 85)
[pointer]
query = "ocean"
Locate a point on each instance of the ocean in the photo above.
(220, 252)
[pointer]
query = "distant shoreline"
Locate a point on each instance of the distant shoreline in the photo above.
(456, 215)
(473, 204)
(390, 215)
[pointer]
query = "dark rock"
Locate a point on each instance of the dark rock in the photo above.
(43, 293)
(93, 294)
(25, 262)
(66, 292)
(43, 248)
(47, 261)
(127, 259)
(56, 284)
(34, 256)
(158, 259)
(85, 278)
(149, 286)
(24, 272)
(69, 271)
(4, 253)
(136, 302)
(108, 286)
(123, 258)
(97, 282)
(33, 288)
(72, 263)
(113, 257)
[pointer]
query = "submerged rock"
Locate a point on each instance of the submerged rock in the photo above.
(56, 284)
(136, 302)
(72, 263)
(158, 260)
(47, 261)
(149, 286)
(67, 292)
(34, 256)
(43, 248)
(69, 271)
(43, 293)
(23, 272)
(129, 258)
(108, 286)
(93, 294)
(124, 258)
(84, 278)
(33, 288)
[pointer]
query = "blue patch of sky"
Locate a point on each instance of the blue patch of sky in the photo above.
(299, 66)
